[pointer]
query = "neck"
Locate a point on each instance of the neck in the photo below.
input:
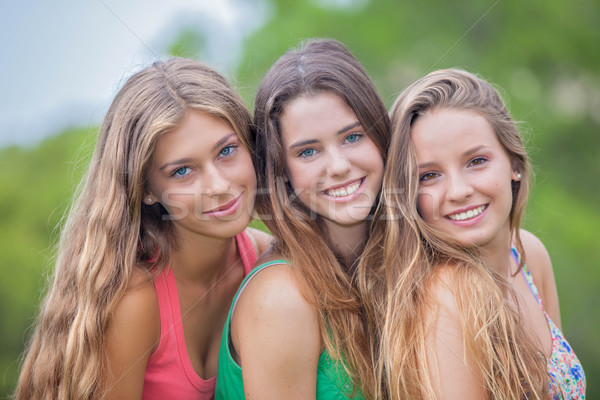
(496, 255)
(347, 241)
(202, 260)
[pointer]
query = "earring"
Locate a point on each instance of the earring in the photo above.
(148, 200)
(518, 177)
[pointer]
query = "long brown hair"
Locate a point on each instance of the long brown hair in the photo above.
(318, 66)
(109, 232)
(415, 254)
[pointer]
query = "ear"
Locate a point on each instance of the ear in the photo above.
(516, 176)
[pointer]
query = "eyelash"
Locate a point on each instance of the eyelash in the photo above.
(482, 160)
(358, 136)
(175, 175)
(302, 153)
(476, 162)
(423, 178)
(232, 147)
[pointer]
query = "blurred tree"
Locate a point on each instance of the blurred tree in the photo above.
(542, 54)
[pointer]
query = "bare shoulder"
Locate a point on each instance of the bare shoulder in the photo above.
(262, 239)
(132, 335)
(139, 302)
(537, 260)
(441, 287)
(536, 255)
(539, 264)
(451, 366)
(442, 302)
(275, 331)
(275, 290)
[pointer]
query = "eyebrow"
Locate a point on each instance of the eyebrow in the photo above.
(186, 160)
(353, 125)
(465, 154)
(222, 141)
(473, 150)
(176, 162)
(312, 141)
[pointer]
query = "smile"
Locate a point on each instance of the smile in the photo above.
(345, 190)
(226, 209)
(472, 213)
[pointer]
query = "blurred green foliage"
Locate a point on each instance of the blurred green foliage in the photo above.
(542, 54)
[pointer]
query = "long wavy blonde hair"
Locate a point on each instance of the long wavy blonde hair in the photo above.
(108, 232)
(414, 254)
(320, 65)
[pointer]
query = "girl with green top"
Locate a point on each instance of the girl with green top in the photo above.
(298, 328)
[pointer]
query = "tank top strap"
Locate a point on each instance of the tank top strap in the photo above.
(250, 275)
(247, 250)
(528, 278)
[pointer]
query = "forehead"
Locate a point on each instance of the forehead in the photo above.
(316, 114)
(442, 130)
(197, 130)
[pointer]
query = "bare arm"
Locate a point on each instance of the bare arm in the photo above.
(452, 369)
(539, 264)
(131, 337)
(276, 334)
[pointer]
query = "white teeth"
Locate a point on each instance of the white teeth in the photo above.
(467, 214)
(341, 192)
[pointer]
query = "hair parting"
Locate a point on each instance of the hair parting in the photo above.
(334, 287)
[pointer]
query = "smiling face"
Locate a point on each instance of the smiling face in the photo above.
(334, 168)
(464, 177)
(203, 177)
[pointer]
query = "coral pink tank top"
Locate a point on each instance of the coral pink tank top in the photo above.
(169, 373)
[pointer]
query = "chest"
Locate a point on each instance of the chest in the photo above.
(203, 315)
(534, 318)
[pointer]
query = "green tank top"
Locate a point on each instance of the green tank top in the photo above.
(332, 381)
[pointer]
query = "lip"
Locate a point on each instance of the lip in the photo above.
(226, 209)
(343, 199)
(471, 221)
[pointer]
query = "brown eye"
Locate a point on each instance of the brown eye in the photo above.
(478, 161)
(428, 176)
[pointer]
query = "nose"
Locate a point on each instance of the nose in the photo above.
(215, 182)
(458, 187)
(339, 164)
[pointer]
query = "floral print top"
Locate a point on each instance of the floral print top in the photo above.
(567, 379)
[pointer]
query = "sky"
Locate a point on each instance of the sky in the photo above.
(63, 61)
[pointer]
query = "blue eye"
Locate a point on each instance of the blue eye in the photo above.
(227, 150)
(353, 137)
(181, 172)
(307, 153)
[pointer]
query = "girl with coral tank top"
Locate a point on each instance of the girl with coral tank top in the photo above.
(155, 246)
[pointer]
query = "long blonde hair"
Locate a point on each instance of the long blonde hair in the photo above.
(109, 232)
(415, 254)
(317, 66)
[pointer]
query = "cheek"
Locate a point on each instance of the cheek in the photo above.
(300, 176)
(378, 166)
(243, 172)
(428, 206)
